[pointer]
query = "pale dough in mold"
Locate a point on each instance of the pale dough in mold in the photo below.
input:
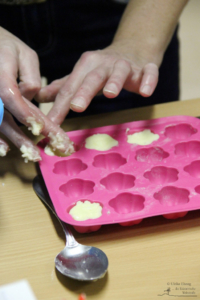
(86, 210)
(100, 142)
(145, 137)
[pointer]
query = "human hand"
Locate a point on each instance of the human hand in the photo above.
(108, 70)
(19, 62)
(130, 62)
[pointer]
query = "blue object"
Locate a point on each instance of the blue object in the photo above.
(1, 111)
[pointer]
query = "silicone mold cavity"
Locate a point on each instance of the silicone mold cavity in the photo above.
(111, 161)
(77, 188)
(154, 154)
(83, 200)
(180, 131)
(71, 167)
(118, 181)
(130, 181)
(197, 189)
(188, 149)
(193, 169)
(172, 196)
(127, 203)
(162, 175)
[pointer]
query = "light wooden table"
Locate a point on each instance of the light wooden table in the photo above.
(144, 260)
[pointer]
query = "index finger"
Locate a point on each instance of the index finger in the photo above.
(61, 107)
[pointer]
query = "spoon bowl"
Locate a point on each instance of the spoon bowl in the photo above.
(85, 263)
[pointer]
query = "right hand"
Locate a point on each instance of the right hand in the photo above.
(19, 63)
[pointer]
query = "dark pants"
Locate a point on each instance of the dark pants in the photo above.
(61, 30)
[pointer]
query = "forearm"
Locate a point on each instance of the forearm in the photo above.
(148, 26)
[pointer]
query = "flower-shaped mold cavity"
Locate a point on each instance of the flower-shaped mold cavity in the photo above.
(77, 188)
(172, 196)
(126, 203)
(189, 149)
(193, 169)
(110, 161)
(118, 181)
(161, 175)
(71, 167)
(180, 131)
(153, 154)
(197, 189)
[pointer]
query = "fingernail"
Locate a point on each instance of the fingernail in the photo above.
(78, 102)
(111, 88)
(146, 89)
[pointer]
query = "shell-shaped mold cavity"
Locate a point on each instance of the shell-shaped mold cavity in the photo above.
(77, 188)
(189, 149)
(193, 169)
(110, 161)
(197, 189)
(172, 196)
(69, 167)
(154, 154)
(126, 203)
(118, 181)
(180, 131)
(161, 175)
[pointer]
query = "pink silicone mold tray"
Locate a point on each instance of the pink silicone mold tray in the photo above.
(129, 181)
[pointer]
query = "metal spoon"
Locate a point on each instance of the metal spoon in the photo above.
(77, 261)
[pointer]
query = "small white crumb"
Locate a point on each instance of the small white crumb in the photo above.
(35, 126)
(29, 154)
(3, 184)
(3, 151)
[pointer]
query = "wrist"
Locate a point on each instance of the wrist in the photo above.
(147, 27)
(143, 51)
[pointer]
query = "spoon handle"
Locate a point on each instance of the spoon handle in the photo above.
(70, 240)
(41, 191)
